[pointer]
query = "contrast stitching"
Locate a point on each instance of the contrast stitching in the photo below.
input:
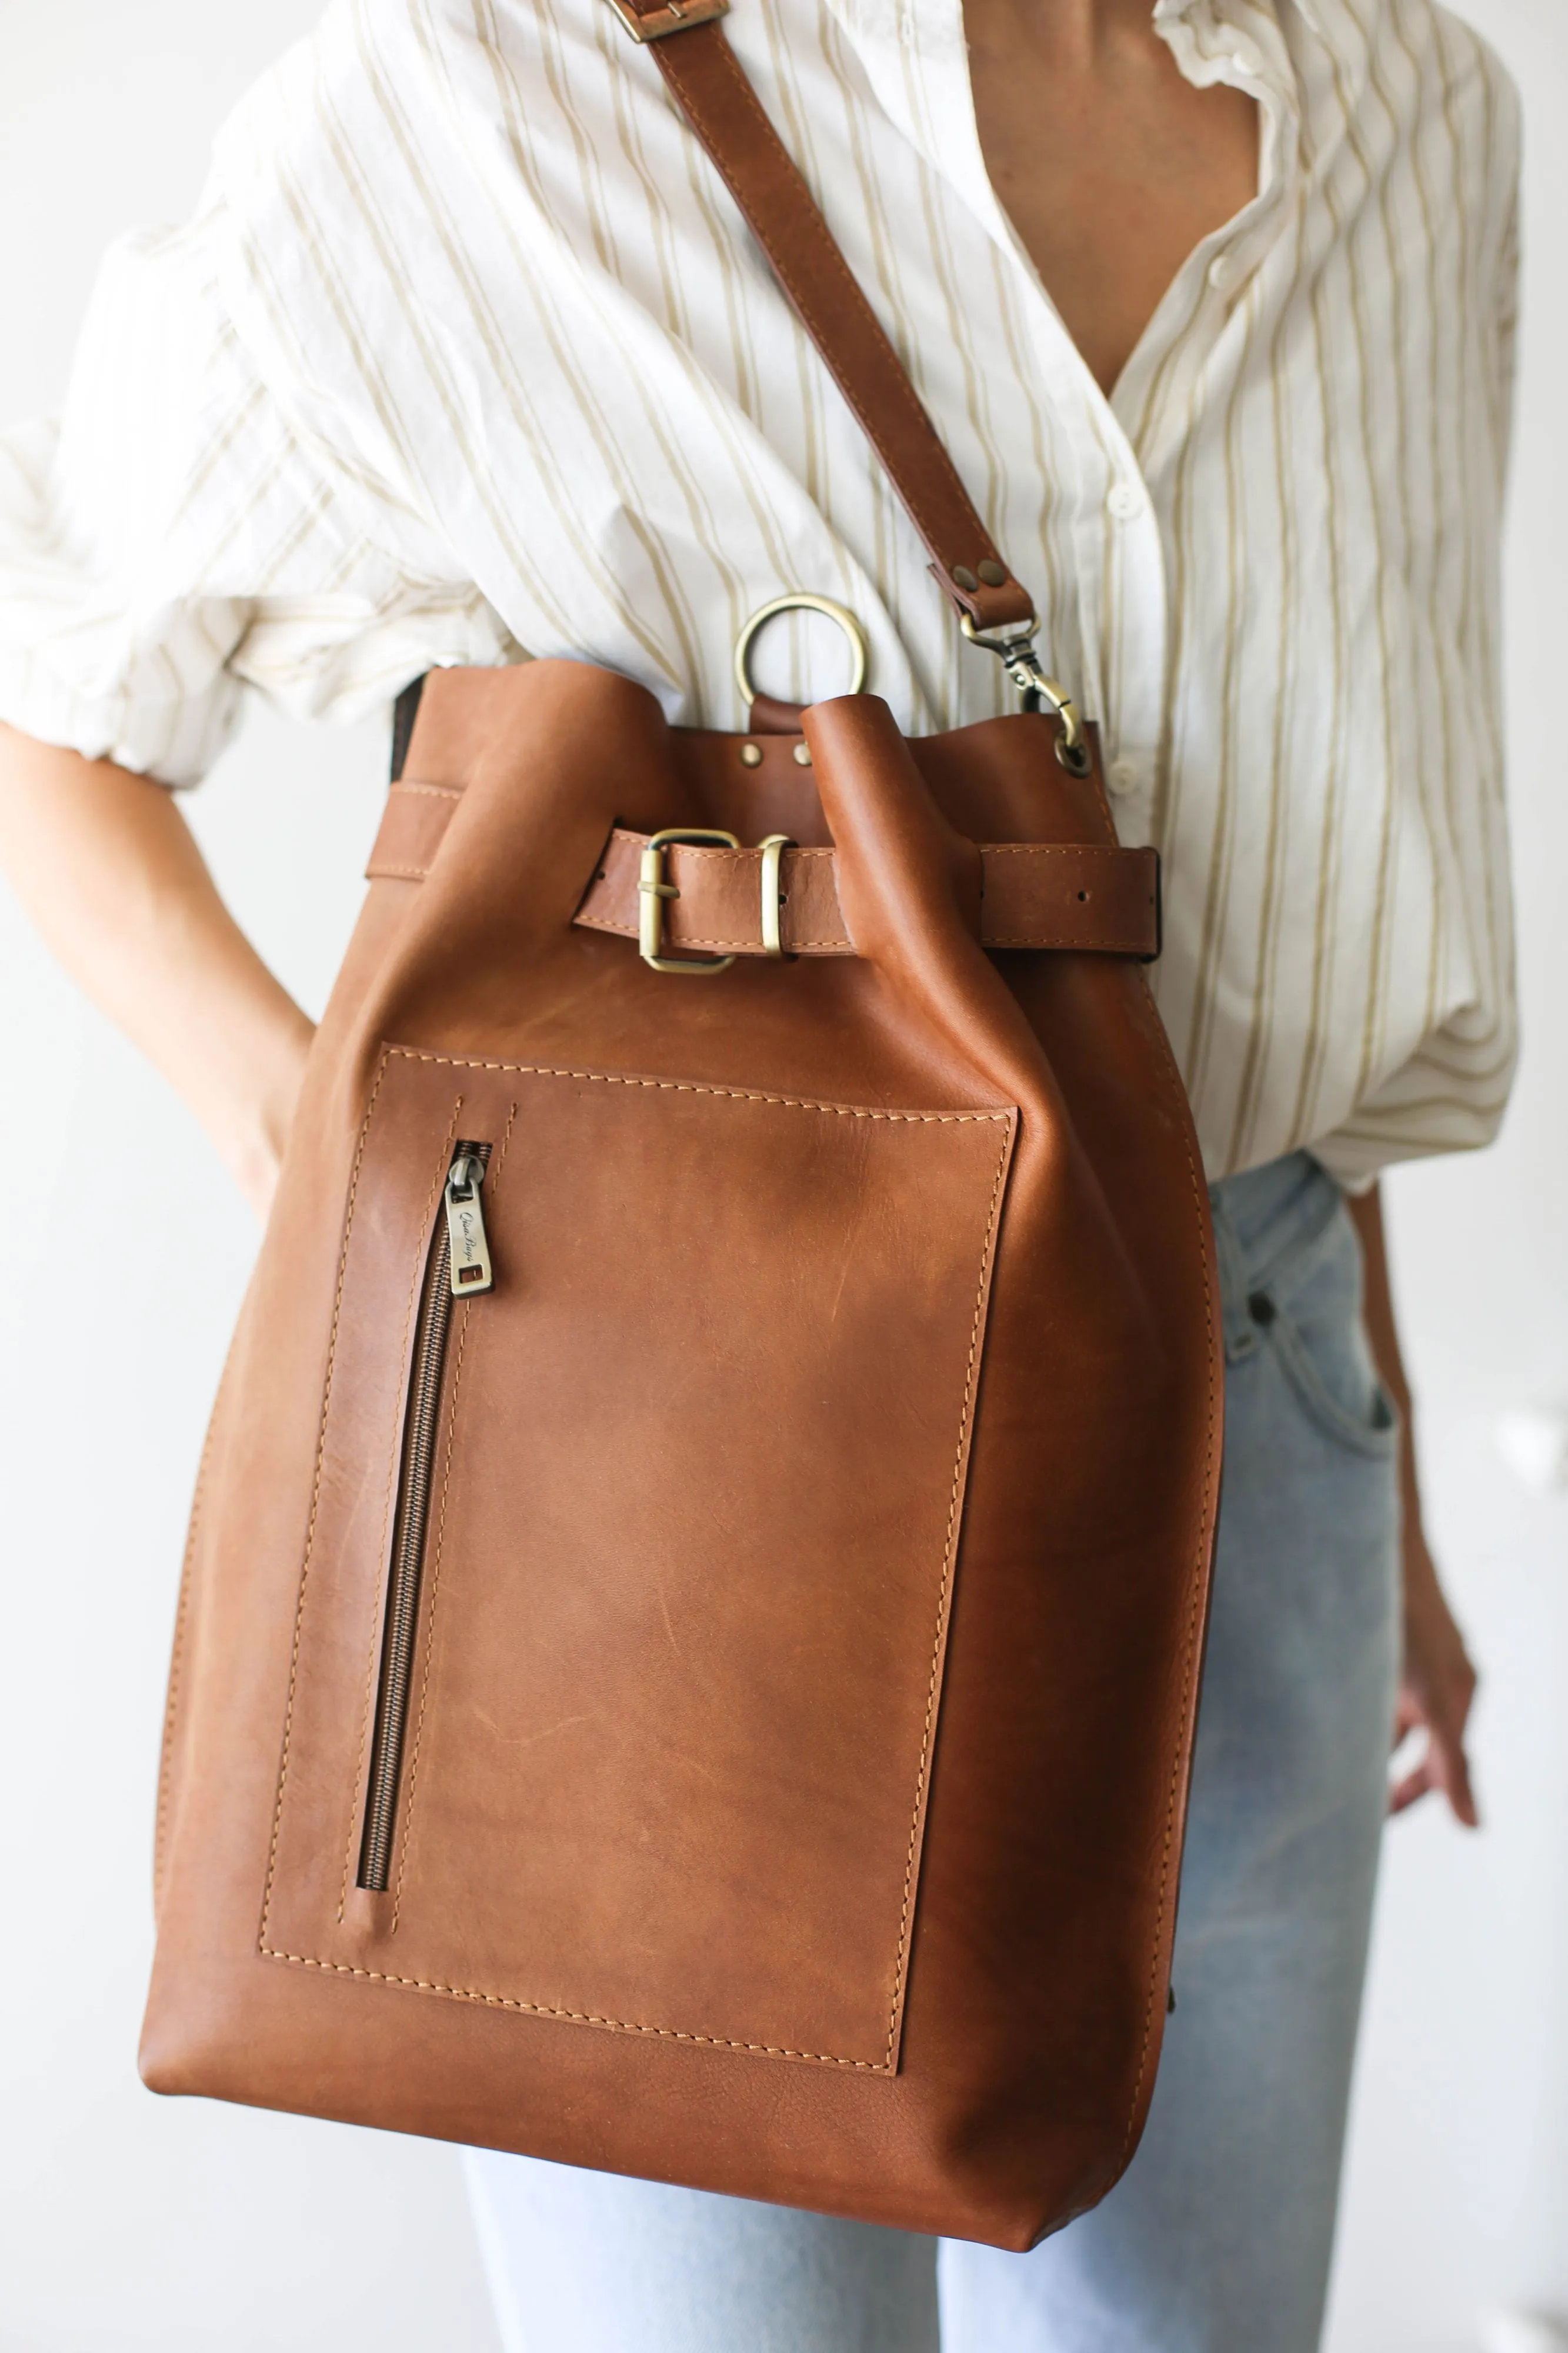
(1091, 850)
(379, 867)
(438, 1556)
(316, 1496)
(949, 1559)
(575, 2017)
(584, 2018)
(627, 930)
(377, 1632)
(715, 850)
(434, 792)
(1178, 1093)
(695, 1087)
(1111, 853)
(795, 947)
(1120, 946)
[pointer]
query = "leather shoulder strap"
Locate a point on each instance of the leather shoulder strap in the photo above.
(706, 78)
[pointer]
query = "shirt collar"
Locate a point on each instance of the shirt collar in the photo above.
(1306, 9)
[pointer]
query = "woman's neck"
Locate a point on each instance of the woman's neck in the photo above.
(1111, 164)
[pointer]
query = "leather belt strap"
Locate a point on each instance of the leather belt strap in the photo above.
(707, 82)
(1036, 894)
(1062, 895)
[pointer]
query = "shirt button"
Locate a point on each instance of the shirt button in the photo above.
(1125, 776)
(1125, 500)
(1221, 270)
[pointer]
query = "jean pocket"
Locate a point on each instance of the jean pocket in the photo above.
(1317, 1330)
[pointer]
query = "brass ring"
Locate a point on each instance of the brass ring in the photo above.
(801, 602)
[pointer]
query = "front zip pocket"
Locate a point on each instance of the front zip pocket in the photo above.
(623, 1620)
(458, 1266)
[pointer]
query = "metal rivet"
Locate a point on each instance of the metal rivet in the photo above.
(803, 756)
(964, 578)
(994, 575)
(751, 755)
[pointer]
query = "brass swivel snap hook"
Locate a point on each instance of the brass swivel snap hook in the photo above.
(1023, 665)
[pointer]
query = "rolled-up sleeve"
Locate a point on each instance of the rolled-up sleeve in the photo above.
(172, 539)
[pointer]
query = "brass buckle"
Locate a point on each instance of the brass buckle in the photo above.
(675, 16)
(655, 890)
(773, 847)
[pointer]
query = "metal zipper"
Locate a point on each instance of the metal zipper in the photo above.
(458, 1266)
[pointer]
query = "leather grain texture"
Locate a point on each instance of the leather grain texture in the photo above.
(812, 1607)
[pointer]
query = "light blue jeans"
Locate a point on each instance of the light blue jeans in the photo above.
(1217, 2239)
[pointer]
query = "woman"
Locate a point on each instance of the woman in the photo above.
(467, 353)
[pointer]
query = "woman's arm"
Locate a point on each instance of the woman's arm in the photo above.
(1437, 1682)
(105, 864)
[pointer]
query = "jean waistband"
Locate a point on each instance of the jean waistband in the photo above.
(1270, 1224)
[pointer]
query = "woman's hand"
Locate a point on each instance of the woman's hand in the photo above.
(1437, 1682)
(1436, 1688)
(106, 866)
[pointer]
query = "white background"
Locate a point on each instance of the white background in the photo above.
(126, 2221)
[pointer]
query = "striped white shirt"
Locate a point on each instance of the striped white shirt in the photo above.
(468, 353)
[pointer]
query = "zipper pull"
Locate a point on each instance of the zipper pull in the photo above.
(467, 1240)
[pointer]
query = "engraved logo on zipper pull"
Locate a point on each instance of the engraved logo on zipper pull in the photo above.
(468, 1243)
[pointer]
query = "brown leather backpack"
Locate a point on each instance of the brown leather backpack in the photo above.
(691, 1626)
